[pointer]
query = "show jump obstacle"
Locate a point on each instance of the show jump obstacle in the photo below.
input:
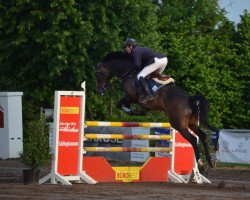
(69, 164)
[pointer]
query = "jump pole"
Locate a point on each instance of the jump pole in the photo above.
(127, 149)
(127, 124)
(127, 136)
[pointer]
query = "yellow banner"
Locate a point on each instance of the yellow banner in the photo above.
(69, 110)
(127, 174)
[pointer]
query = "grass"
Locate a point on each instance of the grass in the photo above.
(232, 165)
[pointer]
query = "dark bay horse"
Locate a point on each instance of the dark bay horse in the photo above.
(184, 111)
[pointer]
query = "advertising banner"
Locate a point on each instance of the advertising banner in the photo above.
(69, 134)
(184, 155)
(234, 146)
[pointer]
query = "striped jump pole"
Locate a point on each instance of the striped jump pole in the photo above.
(126, 136)
(127, 124)
(127, 149)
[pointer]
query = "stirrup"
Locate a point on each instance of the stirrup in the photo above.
(149, 97)
(145, 98)
(143, 101)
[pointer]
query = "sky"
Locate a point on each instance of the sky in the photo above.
(235, 8)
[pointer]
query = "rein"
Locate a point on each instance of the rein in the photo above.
(118, 72)
(127, 75)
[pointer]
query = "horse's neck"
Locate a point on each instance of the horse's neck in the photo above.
(123, 72)
(128, 83)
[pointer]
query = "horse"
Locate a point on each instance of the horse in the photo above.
(184, 111)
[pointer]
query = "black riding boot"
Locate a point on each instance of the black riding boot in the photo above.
(146, 96)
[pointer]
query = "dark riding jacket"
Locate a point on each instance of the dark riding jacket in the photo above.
(144, 56)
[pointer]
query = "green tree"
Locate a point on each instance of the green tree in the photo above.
(42, 49)
(200, 47)
(55, 45)
(113, 22)
(241, 108)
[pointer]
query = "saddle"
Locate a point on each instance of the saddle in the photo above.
(160, 78)
(155, 81)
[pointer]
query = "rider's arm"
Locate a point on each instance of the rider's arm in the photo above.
(137, 55)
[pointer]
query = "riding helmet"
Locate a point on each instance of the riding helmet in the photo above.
(130, 41)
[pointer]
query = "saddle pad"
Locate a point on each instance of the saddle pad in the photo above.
(153, 86)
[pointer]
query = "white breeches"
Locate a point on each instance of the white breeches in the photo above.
(160, 63)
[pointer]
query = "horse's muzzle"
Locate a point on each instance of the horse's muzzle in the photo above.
(102, 89)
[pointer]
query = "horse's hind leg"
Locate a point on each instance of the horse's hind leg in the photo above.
(203, 137)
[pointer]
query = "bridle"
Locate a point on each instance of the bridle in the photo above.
(126, 75)
(105, 86)
(101, 70)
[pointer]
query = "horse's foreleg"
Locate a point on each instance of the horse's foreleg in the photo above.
(125, 107)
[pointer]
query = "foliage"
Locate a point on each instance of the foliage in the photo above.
(55, 45)
(110, 30)
(36, 151)
(44, 44)
(242, 72)
(203, 57)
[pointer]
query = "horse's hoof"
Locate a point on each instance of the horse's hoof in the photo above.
(200, 163)
(212, 163)
(201, 166)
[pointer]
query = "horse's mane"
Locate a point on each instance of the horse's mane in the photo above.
(115, 55)
(120, 63)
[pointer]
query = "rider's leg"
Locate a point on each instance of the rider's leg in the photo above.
(146, 96)
(162, 63)
(158, 64)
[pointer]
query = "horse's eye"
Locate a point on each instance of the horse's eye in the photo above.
(98, 67)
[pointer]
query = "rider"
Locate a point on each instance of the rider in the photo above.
(153, 61)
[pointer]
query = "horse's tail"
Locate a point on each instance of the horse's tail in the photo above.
(204, 108)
